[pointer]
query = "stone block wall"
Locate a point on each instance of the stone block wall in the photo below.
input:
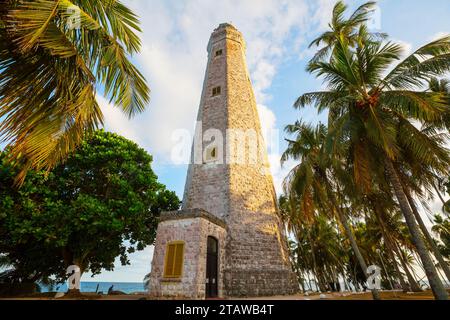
(206, 185)
(193, 228)
(241, 194)
(257, 257)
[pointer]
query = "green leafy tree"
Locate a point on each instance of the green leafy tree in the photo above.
(54, 54)
(102, 203)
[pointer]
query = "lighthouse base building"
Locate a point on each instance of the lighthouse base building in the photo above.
(228, 239)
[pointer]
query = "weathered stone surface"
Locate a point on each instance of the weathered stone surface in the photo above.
(192, 213)
(239, 193)
(194, 231)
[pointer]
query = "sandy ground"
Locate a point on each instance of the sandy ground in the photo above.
(386, 295)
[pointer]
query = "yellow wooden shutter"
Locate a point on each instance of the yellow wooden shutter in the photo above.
(178, 263)
(174, 260)
(170, 253)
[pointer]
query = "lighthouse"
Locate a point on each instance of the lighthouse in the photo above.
(227, 240)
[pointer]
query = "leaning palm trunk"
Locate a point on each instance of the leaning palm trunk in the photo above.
(389, 246)
(433, 278)
(414, 285)
(430, 240)
(402, 281)
(351, 237)
(411, 280)
(439, 194)
(314, 264)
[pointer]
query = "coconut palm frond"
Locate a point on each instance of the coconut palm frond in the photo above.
(53, 56)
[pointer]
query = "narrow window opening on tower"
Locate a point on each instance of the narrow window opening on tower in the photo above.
(211, 154)
(216, 91)
(219, 52)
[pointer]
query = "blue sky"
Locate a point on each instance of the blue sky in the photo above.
(173, 59)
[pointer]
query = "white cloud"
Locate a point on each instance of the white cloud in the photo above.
(322, 15)
(173, 58)
(407, 47)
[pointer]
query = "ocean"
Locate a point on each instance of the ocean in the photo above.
(88, 286)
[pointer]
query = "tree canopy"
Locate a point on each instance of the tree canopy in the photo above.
(102, 203)
(384, 146)
(54, 55)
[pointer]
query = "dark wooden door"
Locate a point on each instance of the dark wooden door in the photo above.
(211, 268)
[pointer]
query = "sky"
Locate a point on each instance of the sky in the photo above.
(173, 60)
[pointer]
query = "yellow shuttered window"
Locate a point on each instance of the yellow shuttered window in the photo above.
(173, 267)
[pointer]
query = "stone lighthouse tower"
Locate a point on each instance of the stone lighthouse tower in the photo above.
(227, 240)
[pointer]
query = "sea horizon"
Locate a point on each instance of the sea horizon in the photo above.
(98, 286)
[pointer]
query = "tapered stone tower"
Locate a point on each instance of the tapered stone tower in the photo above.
(229, 210)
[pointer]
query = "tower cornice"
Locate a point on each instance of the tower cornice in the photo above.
(226, 31)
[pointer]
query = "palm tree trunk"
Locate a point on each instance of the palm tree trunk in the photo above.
(308, 279)
(411, 280)
(313, 256)
(301, 280)
(430, 240)
(436, 285)
(403, 283)
(344, 278)
(299, 271)
(351, 237)
(438, 192)
(389, 248)
(355, 279)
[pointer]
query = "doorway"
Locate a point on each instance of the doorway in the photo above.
(211, 268)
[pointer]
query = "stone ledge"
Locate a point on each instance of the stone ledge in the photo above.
(190, 214)
(171, 280)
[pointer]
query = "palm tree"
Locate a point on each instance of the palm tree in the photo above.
(344, 28)
(442, 228)
(54, 54)
(309, 182)
(391, 228)
(371, 113)
(439, 85)
(430, 241)
(317, 249)
(443, 86)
